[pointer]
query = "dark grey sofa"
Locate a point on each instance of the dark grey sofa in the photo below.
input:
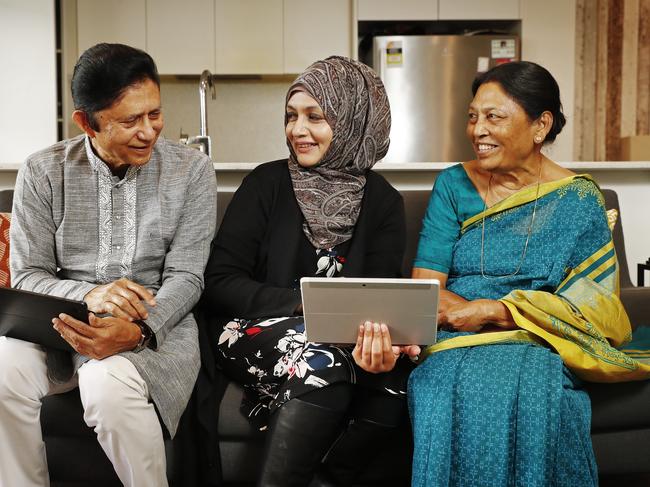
(620, 424)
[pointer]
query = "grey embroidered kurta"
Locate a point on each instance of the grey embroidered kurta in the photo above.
(75, 226)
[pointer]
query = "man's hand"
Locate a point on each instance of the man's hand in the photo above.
(101, 337)
(122, 299)
(374, 351)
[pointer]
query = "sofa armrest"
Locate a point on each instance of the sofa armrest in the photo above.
(636, 301)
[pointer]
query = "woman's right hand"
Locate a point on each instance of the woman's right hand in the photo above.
(374, 351)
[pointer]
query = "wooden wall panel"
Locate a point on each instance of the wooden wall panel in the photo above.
(591, 77)
(600, 121)
(586, 76)
(612, 76)
(643, 71)
(578, 110)
(614, 66)
(629, 67)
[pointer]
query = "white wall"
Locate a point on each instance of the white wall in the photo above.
(548, 39)
(28, 77)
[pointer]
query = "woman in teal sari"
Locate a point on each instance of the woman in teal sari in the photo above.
(529, 306)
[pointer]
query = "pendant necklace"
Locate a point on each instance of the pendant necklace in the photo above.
(530, 230)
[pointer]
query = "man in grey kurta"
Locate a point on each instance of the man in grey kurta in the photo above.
(123, 220)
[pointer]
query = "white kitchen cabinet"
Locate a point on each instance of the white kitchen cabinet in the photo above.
(120, 21)
(314, 30)
(180, 35)
(478, 9)
(248, 36)
(397, 10)
(228, 37)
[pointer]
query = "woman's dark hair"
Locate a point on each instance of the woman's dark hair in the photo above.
(104, 72)
(532, 87)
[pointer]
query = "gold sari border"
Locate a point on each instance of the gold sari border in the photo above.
(524, 196)
(478, 339)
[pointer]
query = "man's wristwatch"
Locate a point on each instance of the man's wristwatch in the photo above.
(145, 338)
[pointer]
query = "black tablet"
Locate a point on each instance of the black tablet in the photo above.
(28, 316)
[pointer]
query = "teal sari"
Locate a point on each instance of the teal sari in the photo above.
(502, 408)
(499, 415)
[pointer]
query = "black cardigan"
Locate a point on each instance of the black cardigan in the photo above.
(257, 255)
(261, 251)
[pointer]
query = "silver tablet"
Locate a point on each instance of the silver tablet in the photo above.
(335, 307)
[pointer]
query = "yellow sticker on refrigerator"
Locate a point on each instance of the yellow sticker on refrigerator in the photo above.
(394, 56)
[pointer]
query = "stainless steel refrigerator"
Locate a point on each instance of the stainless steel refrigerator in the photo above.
(428, 80)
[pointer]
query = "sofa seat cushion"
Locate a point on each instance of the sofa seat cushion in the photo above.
(62, 415)
(619, 406)
(614, 407)
(239, 442)
(5, 277)
(232, 423)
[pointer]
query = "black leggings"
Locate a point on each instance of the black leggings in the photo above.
(362, 403)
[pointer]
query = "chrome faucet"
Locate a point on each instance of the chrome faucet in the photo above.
(203, 139)
(204, 83)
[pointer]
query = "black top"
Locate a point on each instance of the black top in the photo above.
(261, 251)
(258, 255)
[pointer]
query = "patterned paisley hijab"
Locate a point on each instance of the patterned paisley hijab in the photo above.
(355, 105)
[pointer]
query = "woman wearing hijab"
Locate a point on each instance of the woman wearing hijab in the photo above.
(322, 212)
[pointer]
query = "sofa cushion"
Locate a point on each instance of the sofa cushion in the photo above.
(62, 415)
(232, 423)
(5, 277)
(620, 406)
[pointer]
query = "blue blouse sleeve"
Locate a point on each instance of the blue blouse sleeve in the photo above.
(440, 226)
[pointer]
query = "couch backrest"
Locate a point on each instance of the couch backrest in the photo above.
(6, 197)
(415, 204)
(611, 202)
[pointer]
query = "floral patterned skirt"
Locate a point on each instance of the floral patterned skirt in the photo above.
(273, 361)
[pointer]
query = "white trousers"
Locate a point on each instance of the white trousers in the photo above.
(116, 404)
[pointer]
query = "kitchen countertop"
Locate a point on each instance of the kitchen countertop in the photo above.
(439, 166)
(418, 166)
(10, 166)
